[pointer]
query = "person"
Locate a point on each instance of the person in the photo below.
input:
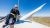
(13, 14)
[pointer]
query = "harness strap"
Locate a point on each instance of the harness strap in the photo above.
(13, 15)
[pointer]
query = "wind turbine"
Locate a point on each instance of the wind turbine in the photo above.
(32, 12)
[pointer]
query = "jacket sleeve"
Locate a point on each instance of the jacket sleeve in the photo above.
(18, 12)
(11, 11)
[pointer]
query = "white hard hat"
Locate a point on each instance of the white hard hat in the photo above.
(15, 5)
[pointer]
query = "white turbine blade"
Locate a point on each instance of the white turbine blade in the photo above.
(32, 12)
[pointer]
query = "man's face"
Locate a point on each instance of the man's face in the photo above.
(16, 8)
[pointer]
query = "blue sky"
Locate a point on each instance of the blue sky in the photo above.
(29, 5)
(6, 5)
(25, 6)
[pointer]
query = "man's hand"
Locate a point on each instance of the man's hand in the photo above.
(18, 16)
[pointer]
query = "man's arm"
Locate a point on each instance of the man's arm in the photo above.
(11, 10)
(18, 14)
